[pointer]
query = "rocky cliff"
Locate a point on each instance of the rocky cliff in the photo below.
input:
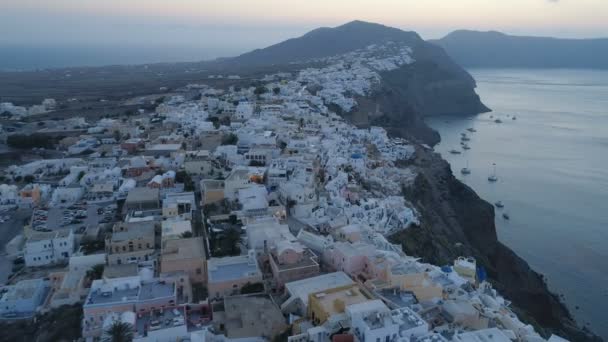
(455, 221)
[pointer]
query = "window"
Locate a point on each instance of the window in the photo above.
(199, 271)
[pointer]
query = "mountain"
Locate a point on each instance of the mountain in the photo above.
(498, 50)
(324, 42)
(433, 85)
(455, 221)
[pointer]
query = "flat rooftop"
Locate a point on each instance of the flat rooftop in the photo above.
(306, 261)
(250, 316)
(231, 268)
(134, 233)
(212, 184)
(347, 295)
(156, 289)
(127, 290)
(398, 298)
(302, 288)
(164, 147)
(142, 194)
(180, 249)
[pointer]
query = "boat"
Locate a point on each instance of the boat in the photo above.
(514, 117)
(506, 216)
(466, 170)
(455, 152)
(493, 178)
(499, 204)
(465, 138)
(466, 147)
(498, 121)
(472, 130)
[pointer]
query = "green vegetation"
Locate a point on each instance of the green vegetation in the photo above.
(230, 139)
(34, 140)
(184, 177)
(260, 90)
(252, 288)
(118, 332)
(225, 243)
(199, 292)
(92, 246)
(186, 235)
(61, 324)
(95, 272)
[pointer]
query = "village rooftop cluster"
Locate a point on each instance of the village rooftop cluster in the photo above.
(250, 213)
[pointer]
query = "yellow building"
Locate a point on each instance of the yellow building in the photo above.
(410, 277)
(324, 304)
(212, 190)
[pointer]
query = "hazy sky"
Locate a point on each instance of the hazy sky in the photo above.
(227, 27)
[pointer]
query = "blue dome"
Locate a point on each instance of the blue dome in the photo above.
(356, 156)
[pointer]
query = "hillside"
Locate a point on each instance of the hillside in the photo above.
(400, 95)
(432, 85)
(498, 50)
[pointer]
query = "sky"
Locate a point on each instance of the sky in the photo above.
(213, 28)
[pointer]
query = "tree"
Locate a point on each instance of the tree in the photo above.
(230, 139)
(276, 90)
(118, 332)
(186, 235)
(95, 272)
(252, 288)
(29, 179)
(260, 90)
(30, 141)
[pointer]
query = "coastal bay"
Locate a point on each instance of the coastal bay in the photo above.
(551, 164)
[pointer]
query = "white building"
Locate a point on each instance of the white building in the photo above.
(45, 248)
(373, 321)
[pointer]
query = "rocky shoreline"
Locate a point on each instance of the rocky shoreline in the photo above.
(456, 221)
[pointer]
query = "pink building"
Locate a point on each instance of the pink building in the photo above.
(291, 261)
(348, 257)
(120, 295)
(226, 276)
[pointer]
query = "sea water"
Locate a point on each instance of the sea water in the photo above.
(552, 168)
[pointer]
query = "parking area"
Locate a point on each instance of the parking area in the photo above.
(76, 217)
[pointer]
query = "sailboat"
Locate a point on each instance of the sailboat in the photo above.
(499, 204)
(466, 170)
(492, 177)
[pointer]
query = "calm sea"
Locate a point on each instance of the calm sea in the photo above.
(552, 169)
